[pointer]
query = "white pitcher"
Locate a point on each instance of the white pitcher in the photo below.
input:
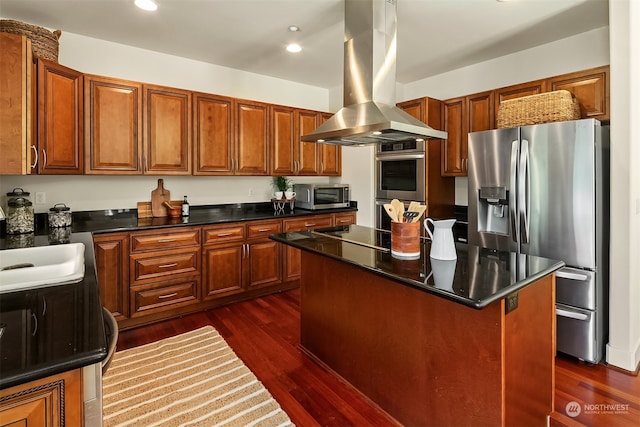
(442, 246)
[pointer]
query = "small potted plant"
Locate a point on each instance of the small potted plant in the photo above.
(281, 184)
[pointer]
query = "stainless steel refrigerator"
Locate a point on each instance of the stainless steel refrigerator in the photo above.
(544, 190)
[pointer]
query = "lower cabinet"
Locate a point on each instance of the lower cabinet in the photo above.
(53, 401)
(151, 275)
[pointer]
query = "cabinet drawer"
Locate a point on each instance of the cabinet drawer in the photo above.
(224, 234)
(262, 230)
(146, 299)
(308, 223)
(167, 240)
(181, 262)
(347, 218)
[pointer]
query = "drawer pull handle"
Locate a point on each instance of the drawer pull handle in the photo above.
(167, 296)
(262, 230)
(168, 265)
(224, 234)
(309, 225)
(166, 240)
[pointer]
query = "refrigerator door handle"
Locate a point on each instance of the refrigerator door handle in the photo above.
(571, 314)
(524, 187)
(512, 194)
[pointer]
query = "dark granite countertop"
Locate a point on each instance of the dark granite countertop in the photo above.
(476, 278)
(52, 329)
(127, 219)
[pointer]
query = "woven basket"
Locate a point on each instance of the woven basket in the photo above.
(43, 42)
(556, 106)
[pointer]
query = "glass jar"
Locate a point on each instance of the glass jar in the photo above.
(19, 212)
(59, 216)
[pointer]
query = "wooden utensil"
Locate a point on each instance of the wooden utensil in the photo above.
(399, 207)
(420, 211)
(173, 212)
(158, 197)
(413, 206)
(391, 211)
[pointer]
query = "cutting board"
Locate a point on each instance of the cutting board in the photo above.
(158, 197)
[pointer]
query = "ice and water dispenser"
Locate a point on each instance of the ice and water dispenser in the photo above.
(493, 210)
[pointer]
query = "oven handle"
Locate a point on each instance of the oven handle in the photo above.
(414, 156)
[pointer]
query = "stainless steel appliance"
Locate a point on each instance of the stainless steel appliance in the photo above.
(544, 190)
(369, 115)
(400, 171)
(322, 196)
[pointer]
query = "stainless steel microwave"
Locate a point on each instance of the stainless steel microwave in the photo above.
(322, 196)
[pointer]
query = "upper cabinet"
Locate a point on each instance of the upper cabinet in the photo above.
(213, 134)
(166, 130)
(591, 89)
(60, 139)
(113, 126)
(518, 91)
(251, 151)
(291, 155)
(16, 105)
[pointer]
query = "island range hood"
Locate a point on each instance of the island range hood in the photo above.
(369, 115)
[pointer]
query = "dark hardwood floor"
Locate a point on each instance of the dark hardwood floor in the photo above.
(264, 333)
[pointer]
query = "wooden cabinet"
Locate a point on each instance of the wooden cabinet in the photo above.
(471, 113)
(112, 268)
(213, 134)
(344, 218)
(291, 155)
(166, 130)
(164, 270)
(113, 126)
(591, 89)
(16, 105)
(53, 401)
(330, 155)
(60, 139)
(240, 257)
(439, 190)
(292, 255)
(517, 91)
(251, 151)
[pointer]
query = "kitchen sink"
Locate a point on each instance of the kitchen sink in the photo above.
(29, 268)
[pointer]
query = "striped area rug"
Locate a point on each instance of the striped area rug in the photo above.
(193, 379)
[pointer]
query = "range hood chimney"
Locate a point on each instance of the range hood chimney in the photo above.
(369, 115)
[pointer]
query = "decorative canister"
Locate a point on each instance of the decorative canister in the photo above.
(19, 212)
(59, 216)
(59, 235)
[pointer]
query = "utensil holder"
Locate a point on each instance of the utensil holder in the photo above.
(405, 240)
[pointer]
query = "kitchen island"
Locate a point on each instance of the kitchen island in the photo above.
(468, 342)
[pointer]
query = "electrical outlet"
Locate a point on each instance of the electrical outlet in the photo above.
(41, 197)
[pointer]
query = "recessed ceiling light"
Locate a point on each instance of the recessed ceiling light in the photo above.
(294, 28)
(294, 48)
(149, 5)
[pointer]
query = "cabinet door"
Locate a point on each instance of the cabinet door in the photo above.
(264, 263)
(113, 126)
(112, 268)
(222, 272)
(517, 91)
(283, 140)
(591, 89)
(330, 155)
(16, 103)
(479, 113)
(251, 149)
(167, 130)
(213, 134)
(292, 255)
(454, 152)
(307, 152)
(60, 144)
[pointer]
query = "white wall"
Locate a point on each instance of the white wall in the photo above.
(623, 349)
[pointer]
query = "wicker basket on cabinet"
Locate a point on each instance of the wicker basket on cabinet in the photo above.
(43, 42)
(556, 106)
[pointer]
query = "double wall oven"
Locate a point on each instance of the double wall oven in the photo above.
(400, 174)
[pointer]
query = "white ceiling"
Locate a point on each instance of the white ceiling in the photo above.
(434, 36)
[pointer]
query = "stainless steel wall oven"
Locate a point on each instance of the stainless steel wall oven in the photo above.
(400, 171)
